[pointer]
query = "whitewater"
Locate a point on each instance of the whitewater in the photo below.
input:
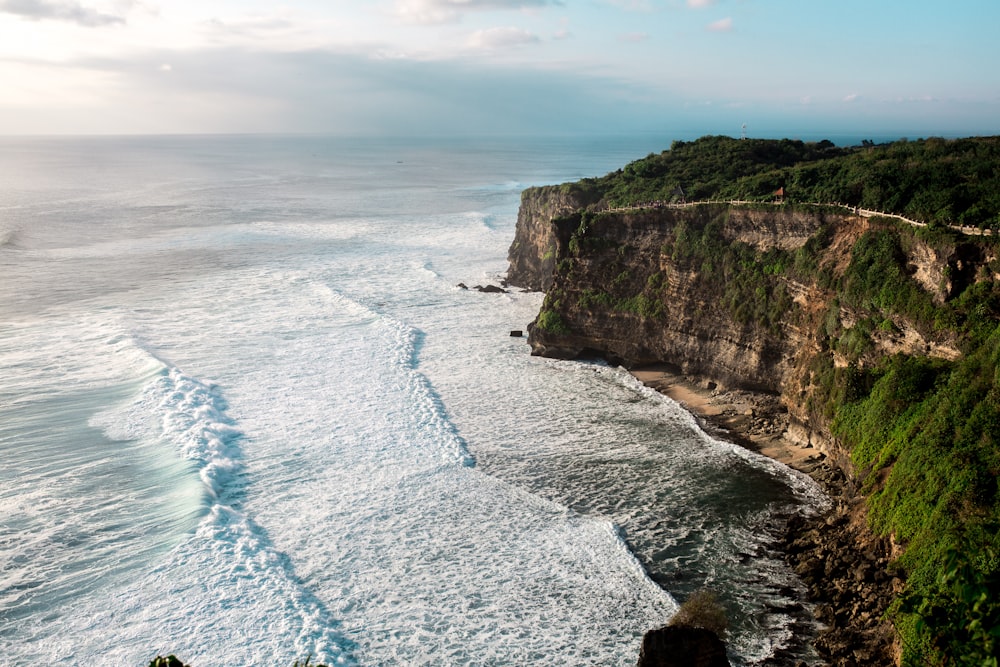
(247, 415)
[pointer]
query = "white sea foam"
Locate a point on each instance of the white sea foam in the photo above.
(252, 585)
(812, 497)
(243, 414)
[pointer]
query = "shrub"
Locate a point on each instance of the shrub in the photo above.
(551, 321)
(702, 610)
(642, 305)
(959, 623)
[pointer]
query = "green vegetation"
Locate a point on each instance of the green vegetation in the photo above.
(932, 429)
(642, 305)
(746, 282)
(932, 180)
(925, 434)
(965, 593)
(702, 609)
(878, 280)
(551, 321)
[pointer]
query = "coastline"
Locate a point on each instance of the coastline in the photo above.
(753, 420)
(848, 571)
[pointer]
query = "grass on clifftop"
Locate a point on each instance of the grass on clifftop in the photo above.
(932, 180)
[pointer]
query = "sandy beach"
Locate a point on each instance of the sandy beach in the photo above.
(756, 421)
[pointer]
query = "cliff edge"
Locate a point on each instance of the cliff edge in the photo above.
(848, 321)
(741, 297)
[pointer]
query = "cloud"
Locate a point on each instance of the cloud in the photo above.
(634, 37)
(450, 11)
(252, 26)
(59, 10)
(500, 38)
(633, 5)
(321, 91)
(722, 25)
(851, 98)
(700, 4)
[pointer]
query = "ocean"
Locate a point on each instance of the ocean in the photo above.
(247, 416)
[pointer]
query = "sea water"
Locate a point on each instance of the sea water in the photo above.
(247, 415)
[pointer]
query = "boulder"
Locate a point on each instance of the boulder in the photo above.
(681, 646)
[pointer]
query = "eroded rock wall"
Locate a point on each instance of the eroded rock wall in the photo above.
(615, 290)
(537, 236)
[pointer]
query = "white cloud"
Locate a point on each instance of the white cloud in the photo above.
(500, 38)
(59, 10)
(449, 11)
(318, 91)
(851, 98)
(634, 37)
(284, 30)
(722, 25)
(251, 25)
(700, 4)
(633, 5)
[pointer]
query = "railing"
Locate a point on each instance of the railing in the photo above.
(856, 210)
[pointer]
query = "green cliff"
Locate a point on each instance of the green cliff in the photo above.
(880, 337)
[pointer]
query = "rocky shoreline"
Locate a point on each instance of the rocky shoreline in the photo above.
(845, 568)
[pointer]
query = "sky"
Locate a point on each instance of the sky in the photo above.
(796, 68)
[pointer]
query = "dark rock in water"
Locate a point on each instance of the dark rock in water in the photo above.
(516, 333)
(680, 646)
(462, 286)
(493, 289)
(170, 661)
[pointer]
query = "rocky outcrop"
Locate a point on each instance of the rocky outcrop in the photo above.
(169, 661)
(617, 291)
(680, 646)
(851, 587)
(537, 237)
(623, 253)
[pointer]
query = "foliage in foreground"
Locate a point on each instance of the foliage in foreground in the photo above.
(931, 429)
(702, 609)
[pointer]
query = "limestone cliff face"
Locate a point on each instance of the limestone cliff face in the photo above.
(623, 253)
(619, 286)
(537, 236)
